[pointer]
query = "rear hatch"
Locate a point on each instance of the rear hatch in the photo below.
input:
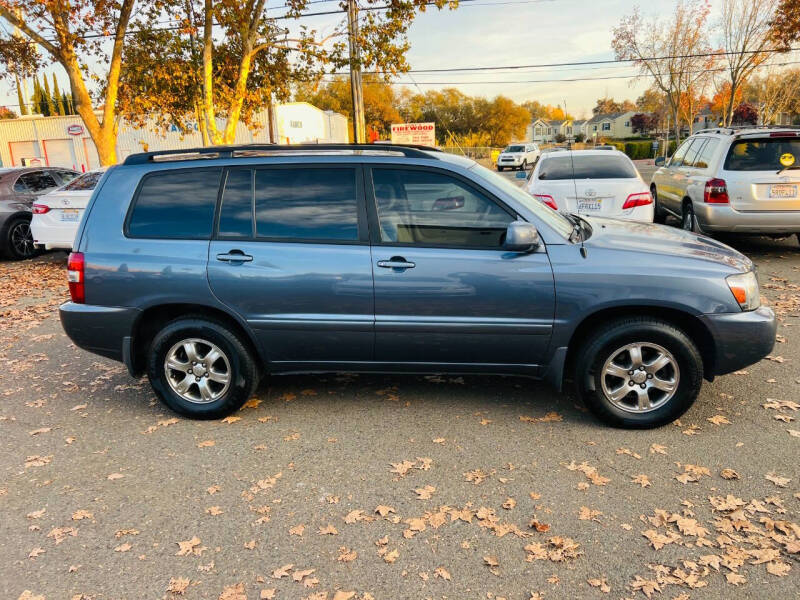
(762, 172)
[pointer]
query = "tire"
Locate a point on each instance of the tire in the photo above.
(797, 235)
(204, 335)
(499, 168)
(659, 216)
(688, 220)
(605, 349)
(18, 241)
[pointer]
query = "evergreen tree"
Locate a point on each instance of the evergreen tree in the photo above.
(64, 101)
(48, 98)
(57, 100)
(23, 107)
(37, 96)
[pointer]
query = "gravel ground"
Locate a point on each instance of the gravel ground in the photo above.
(337, 487)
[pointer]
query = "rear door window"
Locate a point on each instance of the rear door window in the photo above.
(763, 154)
(175, 205)
(586, 167)
(706, 154)
(39, 181)
(693, 151)
(307, 204)
(236, 210)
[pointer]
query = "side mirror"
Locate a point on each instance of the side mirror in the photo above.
(521, 237)
(521, 175)
(659, 161)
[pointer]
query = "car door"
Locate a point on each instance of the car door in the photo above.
(669, 193)
(291, 256)
(446, 293)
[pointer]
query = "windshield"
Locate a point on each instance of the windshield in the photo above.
(514, 149)
(763, 154)
(84, 182)
(592, 166)
(551, 217)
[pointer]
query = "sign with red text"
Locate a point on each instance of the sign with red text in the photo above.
(423, 134)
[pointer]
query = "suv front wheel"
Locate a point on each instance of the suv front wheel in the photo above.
(200, 369)
(638, 372)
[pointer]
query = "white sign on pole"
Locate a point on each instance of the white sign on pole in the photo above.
(423, 134)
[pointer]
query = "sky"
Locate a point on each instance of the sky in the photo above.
(507, 32)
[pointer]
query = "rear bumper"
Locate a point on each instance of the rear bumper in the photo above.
(98, 329)
(741, 339)
(53, 236)
(723, 217)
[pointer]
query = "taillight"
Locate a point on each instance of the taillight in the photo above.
(547, 199)
(75, 277)
(715, 192)
(40, 209)
(640, 199)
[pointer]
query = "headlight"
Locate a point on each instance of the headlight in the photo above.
(744, 287)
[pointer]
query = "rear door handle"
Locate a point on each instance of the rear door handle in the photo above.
(235, 256)
(396, 262)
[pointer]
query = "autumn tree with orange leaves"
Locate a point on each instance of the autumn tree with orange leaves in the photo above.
(72, 34)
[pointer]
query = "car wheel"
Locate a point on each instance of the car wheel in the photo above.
(499, 168)
(638, 372)
(200, 369)
(19, 240)
(659, 216)
(688, 220)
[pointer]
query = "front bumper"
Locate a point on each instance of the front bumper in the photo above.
(99, 329)
(741, 339)
(723, 217)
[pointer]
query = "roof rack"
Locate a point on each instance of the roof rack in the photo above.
(731, 129)
(250, 150)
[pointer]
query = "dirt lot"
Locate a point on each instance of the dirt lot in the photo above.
(345, 487)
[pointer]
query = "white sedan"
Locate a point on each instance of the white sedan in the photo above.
(56, 215)
(600, 183)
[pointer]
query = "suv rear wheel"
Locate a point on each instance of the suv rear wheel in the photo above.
(638, 372)
(200, 369)
(688, 220)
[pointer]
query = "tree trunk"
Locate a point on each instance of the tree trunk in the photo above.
(240, 89)
(208, 74)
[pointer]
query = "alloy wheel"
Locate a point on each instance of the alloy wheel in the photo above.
(21, 239)
(640, 377)
(197, 370)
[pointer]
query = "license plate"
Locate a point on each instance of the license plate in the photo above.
(588, 205)
(71, 215)
(783, 191)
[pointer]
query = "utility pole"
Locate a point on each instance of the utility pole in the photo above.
(359, 122)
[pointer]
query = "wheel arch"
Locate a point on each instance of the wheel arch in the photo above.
(691, 325)
(153, 319)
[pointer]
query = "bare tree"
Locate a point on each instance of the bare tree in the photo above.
(774, 92)
(674, 52)
(747, 37)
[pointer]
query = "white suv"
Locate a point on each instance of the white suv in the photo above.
(518, 156)
(744, 180)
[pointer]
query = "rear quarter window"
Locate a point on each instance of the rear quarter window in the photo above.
(175, 205)
(763, 154)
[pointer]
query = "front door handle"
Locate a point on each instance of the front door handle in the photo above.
(396, 262)
(235, 256)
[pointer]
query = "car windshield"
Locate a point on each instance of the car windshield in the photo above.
(763, 154)
(591, 166)
(551, 217)
(514, 149)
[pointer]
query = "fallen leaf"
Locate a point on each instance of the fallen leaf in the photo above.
(297, 529)
(214, 511)
(231, 419)
(777, 479)
(657, 449)
(178, 585)
(233, 592)
(778, 568)
(600, 582)
(729, 474)
(509, 503)
(383, 510)
(718, 420)
(281, 572)
(642, 480)
(189, 547)
(587, 514)
(123, 547)
(425, 493)
(299, 575)
(206, 444)
(329, 530)
(115, 476)
(442, 573)
(346, 554)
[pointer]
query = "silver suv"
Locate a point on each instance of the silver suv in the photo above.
(740, 180)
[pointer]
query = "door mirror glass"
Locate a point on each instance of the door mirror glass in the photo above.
(659, 161)
(521, 237)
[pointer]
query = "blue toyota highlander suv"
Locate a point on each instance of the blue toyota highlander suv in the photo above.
(206, 269)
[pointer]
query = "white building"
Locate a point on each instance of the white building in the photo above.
(65, 142)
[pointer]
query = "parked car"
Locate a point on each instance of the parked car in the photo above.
(206, 273)
(19, 187)
(739, 180)
(518, 156)
(56, 215)
(592, 182)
